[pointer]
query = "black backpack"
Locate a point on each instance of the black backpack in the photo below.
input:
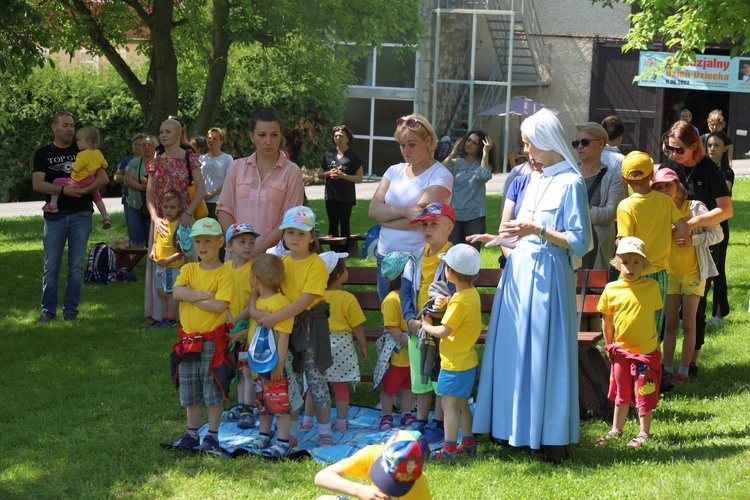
(102, 266)
(593, 383)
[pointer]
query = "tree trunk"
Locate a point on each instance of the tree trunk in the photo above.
(162, 73)
(217, 68)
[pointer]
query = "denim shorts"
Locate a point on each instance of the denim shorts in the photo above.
(164, 278)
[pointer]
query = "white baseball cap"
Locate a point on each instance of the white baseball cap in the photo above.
(631, 244)
(463, 259)
(331, 259)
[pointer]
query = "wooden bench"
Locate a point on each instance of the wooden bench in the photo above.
(351, 242)
(128, 257)
(486, 282)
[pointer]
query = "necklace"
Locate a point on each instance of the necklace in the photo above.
(537, 198)
(692, 171)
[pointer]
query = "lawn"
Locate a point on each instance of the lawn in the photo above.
(84, 407)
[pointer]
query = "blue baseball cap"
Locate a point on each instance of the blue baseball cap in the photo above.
(240, 228)
(261, 354)
(393, 265)
(300, 217)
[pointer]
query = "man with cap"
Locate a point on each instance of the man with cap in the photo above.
(202, 367)
(655, 219)
(394, 470)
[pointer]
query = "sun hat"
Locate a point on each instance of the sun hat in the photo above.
(261, 354)
(393, 265)
(631, 244)
(637, 165)
(664, 175)
(279, 250)
(434, 210)
(240, 228)
(332, 258)
(400, 463)
(463, 259)
(206, 227)
(300, 217)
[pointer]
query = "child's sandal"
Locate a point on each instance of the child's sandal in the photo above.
(610, 435)
(641, 438)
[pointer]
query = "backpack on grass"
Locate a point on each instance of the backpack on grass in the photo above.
(593, 384)
(102, 266)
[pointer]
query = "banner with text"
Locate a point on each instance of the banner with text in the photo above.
(707, 72)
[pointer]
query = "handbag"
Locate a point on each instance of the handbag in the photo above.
(201, 210)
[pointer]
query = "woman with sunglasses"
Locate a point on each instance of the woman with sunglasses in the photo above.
(605, 191)
(406, 188)
(704, 182)
(472, 162)
(528, 387)
(341, 168)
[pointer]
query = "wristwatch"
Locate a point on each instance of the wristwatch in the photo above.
(189, 212)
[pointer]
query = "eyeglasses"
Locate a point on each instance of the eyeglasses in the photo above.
(584, 142)
(411, 123)
(672, 149)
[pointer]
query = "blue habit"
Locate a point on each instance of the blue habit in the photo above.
(528, 387)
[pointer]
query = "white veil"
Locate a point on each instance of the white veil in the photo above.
(546, 133)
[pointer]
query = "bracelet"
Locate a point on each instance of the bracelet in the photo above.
(542, 231)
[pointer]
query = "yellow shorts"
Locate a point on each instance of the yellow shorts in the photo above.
(689, 284)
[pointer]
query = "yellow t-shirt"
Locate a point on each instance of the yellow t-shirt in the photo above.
(194, 319)
(429, 268)
(650, 218)
(391, 309)
(242, 288)
(359, 464)
(272, 304)
(164, 245)
(308, 275)
(632, 304)
(87, 163)
(683, 260)
(345, 311)
(464, 316)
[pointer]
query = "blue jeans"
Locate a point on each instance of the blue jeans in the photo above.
(382, 280)
(75, 229)
(138, 226)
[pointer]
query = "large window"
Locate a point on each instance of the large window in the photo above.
(384, 92)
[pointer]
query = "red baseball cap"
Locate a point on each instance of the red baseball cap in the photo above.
(434, 210)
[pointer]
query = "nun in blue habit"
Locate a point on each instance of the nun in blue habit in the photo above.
(528, 387)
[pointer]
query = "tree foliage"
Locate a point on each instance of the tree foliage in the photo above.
(22, 39)
(688, 26)
(199, 36)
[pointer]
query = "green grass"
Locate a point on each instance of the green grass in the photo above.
(84, 407)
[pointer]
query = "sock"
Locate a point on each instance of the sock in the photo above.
(324, 428)
(468, 441)
(294, 428)
(669, 368)
(307, 419)
(683, 371)
(340, 419)
(193, 433)
(438, 423)
(619, 431)
(282, 441)
(450, 446)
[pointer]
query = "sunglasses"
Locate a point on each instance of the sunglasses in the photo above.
(339, 127)
(583, 142)
(672, 149)
(410, 123)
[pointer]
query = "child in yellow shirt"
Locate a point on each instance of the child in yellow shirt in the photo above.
(168, 259)
(459, 331)
(202, 366)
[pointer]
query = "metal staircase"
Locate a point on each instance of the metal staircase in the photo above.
(516, 42)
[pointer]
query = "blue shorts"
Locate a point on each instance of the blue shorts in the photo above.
(457, 384)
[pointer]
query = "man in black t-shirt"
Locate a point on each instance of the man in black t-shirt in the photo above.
(72, 223)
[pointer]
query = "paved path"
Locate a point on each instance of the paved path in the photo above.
(365, 191)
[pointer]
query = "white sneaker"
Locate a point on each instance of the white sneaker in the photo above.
(716, 321)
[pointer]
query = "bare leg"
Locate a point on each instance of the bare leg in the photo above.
(449, 404)
(672, 321)
(214, 417)
(689, 311)
(424, 401)
(194, 416)
(466, 419)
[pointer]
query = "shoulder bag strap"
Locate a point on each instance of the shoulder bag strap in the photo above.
(596, 183)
